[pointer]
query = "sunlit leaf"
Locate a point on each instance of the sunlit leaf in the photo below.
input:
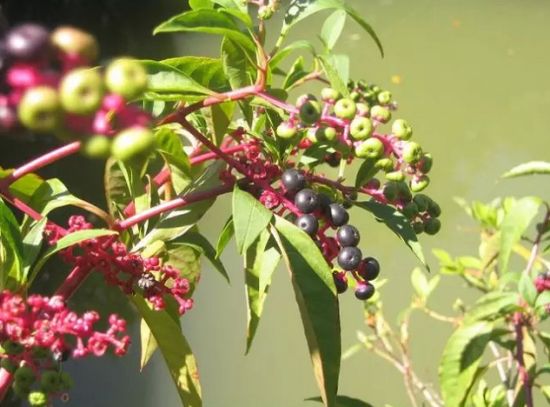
(11, 250)
(492, 306)
(530, 168)
(332, 28)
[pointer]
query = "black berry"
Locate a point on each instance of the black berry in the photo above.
(333, 159)
(348, 235)
(306, 200)
(293, 180)
(27, 41)
(338, 215)
(349, 258)
(369, 268)
(308, 223)
(364, 291)
(324, 204)
(340, 281)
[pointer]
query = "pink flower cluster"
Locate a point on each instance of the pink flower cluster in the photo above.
(46, 322)
(542, 282)
(129, 271)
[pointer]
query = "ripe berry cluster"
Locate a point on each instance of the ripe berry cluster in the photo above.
(316, 213)
(49, 87)
(542, 282)
(353, 127)
(129, 271)
(38, 332)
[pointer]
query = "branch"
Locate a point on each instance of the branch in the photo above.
(523, 373)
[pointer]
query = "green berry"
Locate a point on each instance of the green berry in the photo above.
(325, 133)
(418, 227)
(420, 183)
(40, 352)
(40, 110)
(422, 202)
(126, 77)
(412, 152)
(370, 148)
(21, 390)
(355, 96)
(50, 381)
(432, 226)
(81, 91)
(410, 210)
(380, 113)
(345, 109)
(385, 164)
(97, 147)
(395, 176)
(390, 191)
(425, 163)
(434, 209)
(403, 191)
(8, 365)
(73, 41)
(362, 109)
(133, 142)
(401, 129)
(286, 130)
(310, 112)
(24, 375)
(66, 381)
(384, 97)
(361, 128)
(330, 95)
(12, 348)
(38, 399)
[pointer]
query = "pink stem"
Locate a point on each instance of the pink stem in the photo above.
(278, 103)
(212, 155)
(173, 204)
(75, 278)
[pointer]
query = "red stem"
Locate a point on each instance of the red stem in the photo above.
(75, 278)
(523, 373)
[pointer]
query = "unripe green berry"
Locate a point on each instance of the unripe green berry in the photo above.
(126, 77)
(434, 209)
(326, 133)
(330, 95)
(50, 381)
(401, 129)
(286, 130)
(390, 191)
(12, 348)
(395, 176)
(422, 202)
(412, 152)
(97, 147)
(384, 97)
(66, 381)
(403, 192)
(304, 99)
(40, 110)
(265, 13)
(361, 128)
(132, 142)
(420, 183)
(38, 399)
(370, 148)
(73, 41)
(380, 113)
(21, 390)
(310, 112)
(24, 375)
(385, 164)
(345, 109)
(410, 211)
(418, 227)
(425, 163)
(355, 96)
(81, 91)
(432, 226)
(8, 365)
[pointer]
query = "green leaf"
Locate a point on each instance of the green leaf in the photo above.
(296, 72)
(225, 236)
(343, 401)
(318, 303)
(492, 306)
(117, 194)
(148, 344)
(530, 168)
(25, 187)
(396, 222)
(283, 53)
(176, 351)
(66, 242)
(238, 69)
(421, 285)
(332, 28)
(250, 218)
(32, 243)
(527, 289)
(367, 27)
(186, 259)
(261, 260)
(232, 5)
(199, 4)
(366, 171)
(222, 115)
(165, 78)
(543, 299)
(514, 225)
(11, 251)
(337, 81)
(207, 72)
(208, 22)
(460, 361)
(170, 147)
(202, 245)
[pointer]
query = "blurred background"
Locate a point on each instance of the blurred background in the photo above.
(470, 76)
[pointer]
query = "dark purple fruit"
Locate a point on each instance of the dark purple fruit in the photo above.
(349, 258)
(27, 42)
(348, 235)
(338, 215)
(364, 291)
(369, 268)
(308, 223)
(293, 180)
(340, 281)
(306, 200)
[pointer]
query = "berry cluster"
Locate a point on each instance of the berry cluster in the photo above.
(315, 214)
(38, 332)
(49, 87)
(542, 282)
(129, 271)
(353, 127)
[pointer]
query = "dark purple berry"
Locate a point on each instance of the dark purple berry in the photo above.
(324, 203)
(293, 180)
(306, 200)
(369, 268)
(348, 235)
(340, 281)
(27, 42)
(364, 291)
(349, 258)
(308, 223)
(333, 159)
(338, 215)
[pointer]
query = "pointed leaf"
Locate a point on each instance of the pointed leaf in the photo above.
(11, 250)
(148, 344)
(530, 168)
(32, 243)
(165, 78)
(344, 401)
(332, 28)
(318, 303)
(250, 218)
(225, 236)
(208, 72)
(527, 289)
(492, 306)
(286, 51)
(176, 351)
